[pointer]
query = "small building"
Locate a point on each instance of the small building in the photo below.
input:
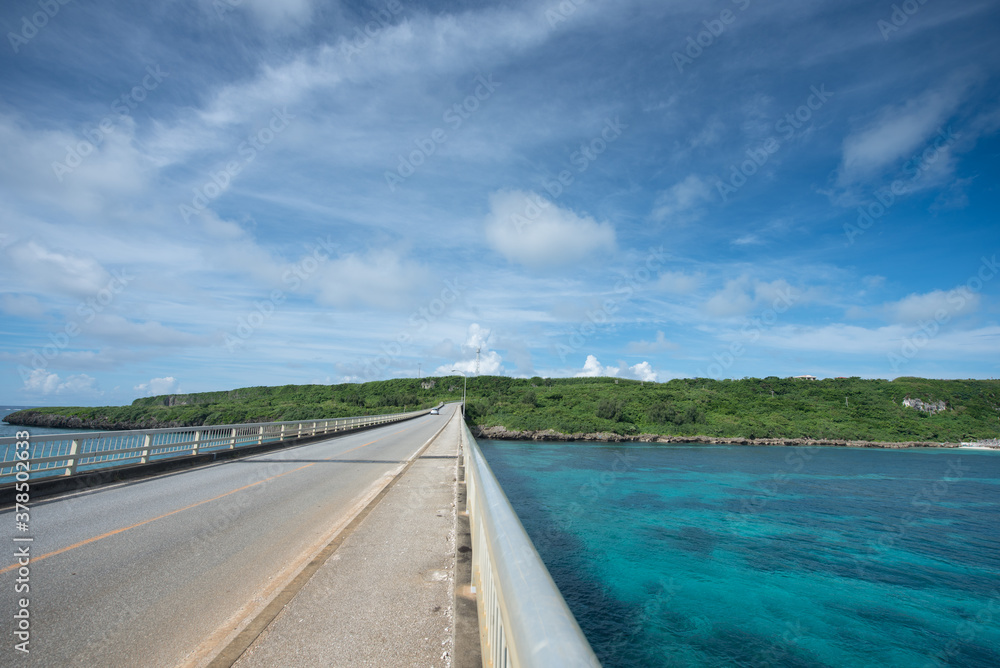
(803, 377)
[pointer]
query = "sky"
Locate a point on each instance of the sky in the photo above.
(209, 194)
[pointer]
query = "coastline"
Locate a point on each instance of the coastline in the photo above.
(504, 434)
(31, 418)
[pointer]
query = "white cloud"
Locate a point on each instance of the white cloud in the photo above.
(414, 44)
(592, 369)
(40, 381)
(733, 299)
(678, 283)
(681, 199)
(740, 296)
(478, 336)
(651, 347)
(21, 305)
(934, 342)
(157, 386)
(119, 330)
(643, 371)
(61, 272)
(108, 174)
(930, 306)
(710, 134)
(873, 282)
(281, 14)
(490, 364)
(896, 133)
(490, 361)
(381, 278)
(448, 42)
(528, 229)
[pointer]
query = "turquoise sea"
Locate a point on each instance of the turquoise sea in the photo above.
(674, 555)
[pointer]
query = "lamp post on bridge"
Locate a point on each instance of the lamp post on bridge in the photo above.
(465, 384)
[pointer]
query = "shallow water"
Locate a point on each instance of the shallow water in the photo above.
(674, 555)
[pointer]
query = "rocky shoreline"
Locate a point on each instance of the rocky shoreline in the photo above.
(30, 418)
(504, 434)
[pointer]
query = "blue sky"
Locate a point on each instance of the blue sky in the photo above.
(203, 195)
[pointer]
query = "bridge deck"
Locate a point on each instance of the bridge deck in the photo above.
(354, 535)
(385, 595)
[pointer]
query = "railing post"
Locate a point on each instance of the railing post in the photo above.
(232, 439)
(147, 441)
(260, 435)
(74, 448)
(281, 435)
(197, 442)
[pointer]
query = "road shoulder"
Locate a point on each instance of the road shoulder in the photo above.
(386, 595)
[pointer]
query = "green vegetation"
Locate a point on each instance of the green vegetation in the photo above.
(847, 408)
(258, 404)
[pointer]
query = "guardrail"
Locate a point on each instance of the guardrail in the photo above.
(524, 620)
(53, 455)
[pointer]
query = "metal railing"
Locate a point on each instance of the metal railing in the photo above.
(523, 619)
(54, 455)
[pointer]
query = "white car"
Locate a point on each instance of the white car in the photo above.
(435, 411)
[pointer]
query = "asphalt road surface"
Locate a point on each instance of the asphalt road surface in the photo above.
(159, 572)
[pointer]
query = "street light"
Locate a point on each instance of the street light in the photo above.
(465, 384)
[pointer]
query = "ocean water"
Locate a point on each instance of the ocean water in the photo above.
(674, 555)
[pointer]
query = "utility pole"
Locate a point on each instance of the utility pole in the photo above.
(478, 350)
(465, 384)
(419, 374)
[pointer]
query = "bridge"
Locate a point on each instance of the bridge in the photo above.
(378, 541)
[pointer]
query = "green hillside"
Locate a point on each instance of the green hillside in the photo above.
(849, 408)
(248, 404)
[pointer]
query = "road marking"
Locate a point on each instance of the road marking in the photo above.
(193, 505)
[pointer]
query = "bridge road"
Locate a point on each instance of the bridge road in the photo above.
(163, 571)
